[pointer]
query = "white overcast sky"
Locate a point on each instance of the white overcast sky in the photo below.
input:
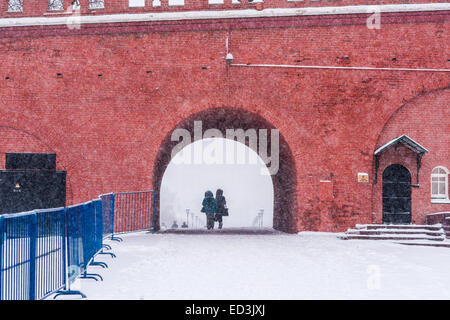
(246, 183)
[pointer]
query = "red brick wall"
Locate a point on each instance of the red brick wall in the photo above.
(107, 130)
(40, 7)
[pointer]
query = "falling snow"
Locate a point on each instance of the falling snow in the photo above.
(238, 264)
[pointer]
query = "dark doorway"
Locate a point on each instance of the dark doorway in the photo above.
(396, 195)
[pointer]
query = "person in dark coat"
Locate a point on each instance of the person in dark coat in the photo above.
(221, 202)
(209, 208)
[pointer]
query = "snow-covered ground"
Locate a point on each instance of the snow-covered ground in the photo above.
(240, 265)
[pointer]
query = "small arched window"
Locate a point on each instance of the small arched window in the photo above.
(439, 183)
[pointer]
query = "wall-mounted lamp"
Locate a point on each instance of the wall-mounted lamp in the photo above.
(229, 57)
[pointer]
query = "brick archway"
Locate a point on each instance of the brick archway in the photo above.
(284, 181)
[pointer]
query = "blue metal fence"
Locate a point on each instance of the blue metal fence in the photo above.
(50, 249)
(17, 256)
(74, 259)
(42, 252)
(108, 215)
(134, 211)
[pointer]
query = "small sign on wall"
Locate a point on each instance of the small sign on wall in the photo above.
(363, 177)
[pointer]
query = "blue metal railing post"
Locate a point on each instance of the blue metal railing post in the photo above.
(33, 236)
(98, 232)
(67, 290)
(88, 239)
(153, 212)
(105, 215)
(65, 259)
(2, 239)
(113, 201)
(112, 216)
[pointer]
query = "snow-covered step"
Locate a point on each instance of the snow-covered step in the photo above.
(398, 226)
(392, 237)
(445, 244)
(434, 233)
(396, 231)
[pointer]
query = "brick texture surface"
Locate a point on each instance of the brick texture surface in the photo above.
(106, 103)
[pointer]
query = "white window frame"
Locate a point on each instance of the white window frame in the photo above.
(439, 197)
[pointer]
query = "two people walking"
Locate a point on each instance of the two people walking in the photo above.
(214, 208)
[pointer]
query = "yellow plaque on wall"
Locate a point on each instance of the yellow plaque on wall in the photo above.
(363, 177)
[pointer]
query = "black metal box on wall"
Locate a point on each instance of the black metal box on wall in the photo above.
(44, 161)
(30, 182)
